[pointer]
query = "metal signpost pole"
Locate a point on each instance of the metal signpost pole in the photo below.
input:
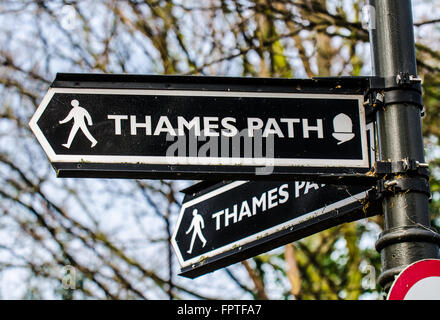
(407, 236)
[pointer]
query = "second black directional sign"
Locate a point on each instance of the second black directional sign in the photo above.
(121, 126)
(230, 222)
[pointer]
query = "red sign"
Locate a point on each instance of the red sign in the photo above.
(418, 281)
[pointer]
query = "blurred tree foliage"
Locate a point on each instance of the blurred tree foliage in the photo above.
(116, 233)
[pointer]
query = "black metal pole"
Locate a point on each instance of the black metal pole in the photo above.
(407, 236)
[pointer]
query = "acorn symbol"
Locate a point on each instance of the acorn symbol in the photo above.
(343, 128)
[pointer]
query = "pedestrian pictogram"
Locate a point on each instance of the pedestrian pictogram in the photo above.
(79, 116)
(196, 226)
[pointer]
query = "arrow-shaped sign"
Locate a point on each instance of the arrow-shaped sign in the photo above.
(203, 127)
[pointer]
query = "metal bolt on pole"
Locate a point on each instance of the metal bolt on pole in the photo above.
(407, 236)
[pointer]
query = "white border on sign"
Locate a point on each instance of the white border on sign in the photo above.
(372, 137)
(200, 161)
(267, 232)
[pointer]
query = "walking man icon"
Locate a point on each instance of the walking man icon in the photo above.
(79, 116)
(197, 224)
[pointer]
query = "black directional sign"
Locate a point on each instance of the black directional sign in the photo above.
(203, 127)
(230, 222)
